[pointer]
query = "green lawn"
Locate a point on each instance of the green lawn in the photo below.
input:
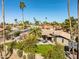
(43, 48)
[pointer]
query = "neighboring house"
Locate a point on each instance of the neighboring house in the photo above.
(45, 26)
(73, 44)
(57, 27)
(62, 37)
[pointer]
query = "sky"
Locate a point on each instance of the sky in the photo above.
(54, 10)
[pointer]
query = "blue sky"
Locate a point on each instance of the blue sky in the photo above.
(54, 10)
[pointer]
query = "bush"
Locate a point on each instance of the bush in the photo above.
(20, 53)
(17, 33)
(66, 48)
(58, 52)
(55, 52)
(24, 56)
(48, 55)
(31, 56)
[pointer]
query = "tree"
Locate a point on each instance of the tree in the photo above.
(16, 33)
(36, 31)
(71, 34)
(23, 24)
(7, 54)
(30, 42)
(15, 21)
(20, 53)
(3, 18)
(50, 54)
(7, 32)
(45, 22)
(66, 24)
(58, 52)
(55, 23)
(55, 52)
(36, 22)
(22, 6)
(27, 22)
(8, 28)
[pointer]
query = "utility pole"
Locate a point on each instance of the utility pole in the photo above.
(78, 32)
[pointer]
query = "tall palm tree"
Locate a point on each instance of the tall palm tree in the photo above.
(78, 33)
(36, 22)
(71, 34)
(15, 21)
(22, 6)
(3, 18)
(45, 18)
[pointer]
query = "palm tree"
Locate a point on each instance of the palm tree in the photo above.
(36, 31)
(71, 34)
(78, 33)
(15, 21)
(22, 6)
(4, 46)
(31, 41)
(30, 44)
(36, 21)
(3, 18)
(45, 18)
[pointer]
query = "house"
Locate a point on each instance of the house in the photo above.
(61, 37)
(46, 26)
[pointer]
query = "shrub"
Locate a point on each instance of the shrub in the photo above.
(17, 33)
(55, 52)
(31, 56)
(58, 52)
(20, 53)
(24, 56)
(48, 55)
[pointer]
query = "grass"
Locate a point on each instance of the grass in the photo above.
(43, 48)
